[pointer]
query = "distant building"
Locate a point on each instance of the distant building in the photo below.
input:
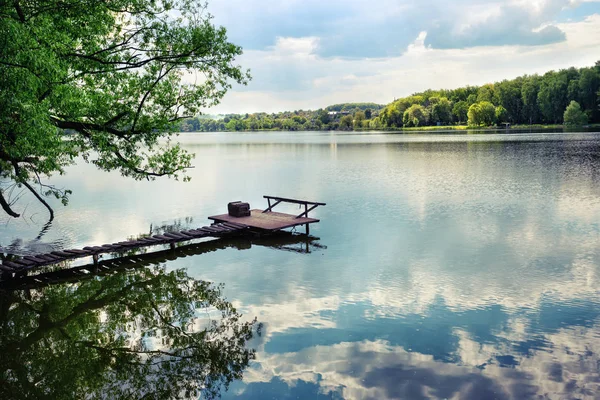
(336, 113)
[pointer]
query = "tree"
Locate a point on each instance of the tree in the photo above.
(486, 93)
(346, 123)
(500, 114)
(415, 115)
(111, 73)
(482, 113)
(234, 125)
(589, 84)
(359, 117)
(552, 97)
(574, 116)
(324, 117)
(460, 111)
(508, 94)
(529, 95)
(441, 111)
(368, 113)
(375, 123)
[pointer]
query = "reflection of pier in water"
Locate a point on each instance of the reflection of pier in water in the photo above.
(286, 241)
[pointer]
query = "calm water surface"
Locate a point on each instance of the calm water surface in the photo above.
(448, 266)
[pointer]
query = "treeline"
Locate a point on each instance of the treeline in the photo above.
(529, 99)
(569, 96)
(344, 116)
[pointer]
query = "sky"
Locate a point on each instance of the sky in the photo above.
(308, 54)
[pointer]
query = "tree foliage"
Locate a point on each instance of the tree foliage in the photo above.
(482, 113)
(574, 115)
(441, 110)
(500, 114)
(415, 115)
(111, 74)
(346, 123)
(529, 99)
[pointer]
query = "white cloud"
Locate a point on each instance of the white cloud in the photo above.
(295, 47)
(290, 76)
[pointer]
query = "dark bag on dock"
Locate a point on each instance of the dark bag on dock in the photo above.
(238, 209)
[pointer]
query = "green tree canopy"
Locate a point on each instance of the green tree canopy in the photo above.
(501, 114)
(441, 111)
(415, 115)
(482, 113)
(359, 117)
(574, 115)
(460, 111)
(111, 73)
(346, 123)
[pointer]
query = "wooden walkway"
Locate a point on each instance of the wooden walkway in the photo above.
(28, 263)
(286, 242)
(259, 222)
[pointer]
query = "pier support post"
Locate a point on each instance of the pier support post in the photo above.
(95, 258)
(307, 229)
(172, 246)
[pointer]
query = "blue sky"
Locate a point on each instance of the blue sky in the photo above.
(311, 53)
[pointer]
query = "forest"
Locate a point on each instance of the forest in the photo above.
(335, 117)
(568, 96)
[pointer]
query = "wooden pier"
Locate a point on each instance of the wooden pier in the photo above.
(284, 241)
(260, 222)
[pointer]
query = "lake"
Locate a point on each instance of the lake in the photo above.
(446, 265)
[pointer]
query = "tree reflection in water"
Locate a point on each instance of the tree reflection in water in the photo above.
(146, 333)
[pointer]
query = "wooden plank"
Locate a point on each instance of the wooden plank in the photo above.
(128, 243)
(11, 264)
(6, 268)
(235, 225)
(25, 263)
(220, 228)
(175, 235)
(200, 232)
(149, 240)
(78, 252)
(62, 254)
(232, 226)
(109, 247)
(162, 237)
(35, 259)
(48, 257)
(187, 233)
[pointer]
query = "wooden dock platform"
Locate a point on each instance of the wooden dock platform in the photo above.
(271, 221)
(259, 222)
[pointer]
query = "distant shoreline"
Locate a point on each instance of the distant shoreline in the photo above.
(428, 129)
